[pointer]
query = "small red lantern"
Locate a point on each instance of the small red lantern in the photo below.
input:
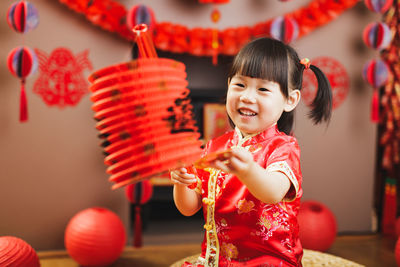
(95, 237)
(22, 16)
(16, 252)
(22, 63)
(284, 29)
(141, 14)
(138, 194)
(379, 6)
(377, 35)
(317, 226)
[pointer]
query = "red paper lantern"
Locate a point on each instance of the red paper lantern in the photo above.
(317, 226)
(377, 35)
(22, 16)
(16, 252)
(376, 72)
(284, 29)
(95, 237)
(144, 115)
(22, 63)
(379, 6)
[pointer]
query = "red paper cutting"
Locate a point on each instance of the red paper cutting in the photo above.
(61, 81)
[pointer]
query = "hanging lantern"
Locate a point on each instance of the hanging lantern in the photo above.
(144, 114)
(379, 6)
(376, 72)
(284, 29)
(377, 35)
(138, 194)
(22, 62)
(22, 16)
(141, 14)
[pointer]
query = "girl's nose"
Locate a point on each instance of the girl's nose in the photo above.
(247, 98)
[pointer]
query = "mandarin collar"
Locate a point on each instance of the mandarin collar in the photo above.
(239, 140)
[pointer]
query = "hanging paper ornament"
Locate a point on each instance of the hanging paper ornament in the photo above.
(379, 6)
(138, 194)
(22, 16)
(22, 63)
(376, 72)
(144, 114)
(141, 14)
(61, 81)
(337, 76)
(284, 29)
(377, 35)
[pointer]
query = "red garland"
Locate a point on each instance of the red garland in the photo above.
(111, 16)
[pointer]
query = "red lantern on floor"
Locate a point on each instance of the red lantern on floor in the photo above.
(95, 237)
(138, 194)
(16, 252)
(22, 63)
(317, 226)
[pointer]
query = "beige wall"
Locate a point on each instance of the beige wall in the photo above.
(52, 166)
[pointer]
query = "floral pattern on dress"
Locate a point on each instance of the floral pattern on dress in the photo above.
(272, 218)
(229, 251)
(245, 206)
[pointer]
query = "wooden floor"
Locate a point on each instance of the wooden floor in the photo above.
(368, 250)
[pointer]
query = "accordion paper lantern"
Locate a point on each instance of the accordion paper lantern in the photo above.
(284, 29)
(22, 16)
(95, 237)
(144, 116)
(377, 35)
(317, 226)
(16, 252)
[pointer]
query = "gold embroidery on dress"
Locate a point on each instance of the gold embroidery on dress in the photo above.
(283, 167)
(212, 251)
(229, 251)
(245, 206)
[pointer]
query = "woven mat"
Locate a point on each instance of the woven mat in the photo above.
(311, 258)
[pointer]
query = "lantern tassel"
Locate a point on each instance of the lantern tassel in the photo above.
(23, 104)
(375, 106)
(137, 241)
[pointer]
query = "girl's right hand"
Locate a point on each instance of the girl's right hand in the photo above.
(182, 177)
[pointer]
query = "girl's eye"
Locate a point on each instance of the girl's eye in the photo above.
(263, 89)
(239, 84)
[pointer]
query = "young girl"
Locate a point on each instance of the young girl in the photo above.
(250, 192)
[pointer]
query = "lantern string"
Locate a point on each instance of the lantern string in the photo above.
(23, 108)
(144, 41)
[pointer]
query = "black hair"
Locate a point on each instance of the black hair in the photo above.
(273, 60)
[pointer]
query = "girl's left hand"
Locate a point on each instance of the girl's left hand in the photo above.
(239, 162)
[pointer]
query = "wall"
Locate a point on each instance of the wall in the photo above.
(52, 166)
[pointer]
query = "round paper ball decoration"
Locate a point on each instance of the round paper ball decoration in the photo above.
(141, 14)
(22, 16)
(379, 6)
(284, 29)
(376, 72)
(140, 192)
(95, 237)
(16, 252)
(22, 62)
(377, 35)
(317, 226)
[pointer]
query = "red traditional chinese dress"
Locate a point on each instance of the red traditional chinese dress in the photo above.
(240, 230)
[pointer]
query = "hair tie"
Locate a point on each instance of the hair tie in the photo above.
(305, 62)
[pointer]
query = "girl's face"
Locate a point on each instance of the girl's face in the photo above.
(255, 104)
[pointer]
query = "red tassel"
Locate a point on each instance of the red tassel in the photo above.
(137, 241)
(375, 106)
(23, 104)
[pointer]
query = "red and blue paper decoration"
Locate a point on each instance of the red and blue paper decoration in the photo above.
(22, 62)
(22, 16)
(376, 72)
(377, 35)
(141, 14)
(284, 29)
(16, 252)
(379, 6)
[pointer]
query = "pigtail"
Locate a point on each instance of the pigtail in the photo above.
(322, 103)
